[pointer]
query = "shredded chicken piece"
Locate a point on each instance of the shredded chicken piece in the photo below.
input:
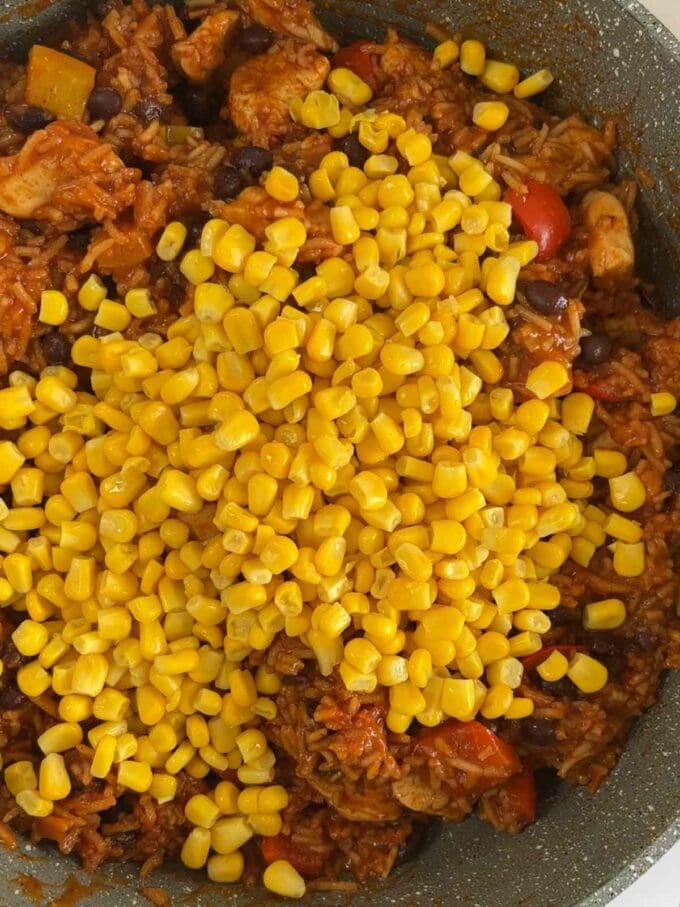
(261, 89)
(422, 796)
(204, 51)
(610, 242)
(374, 804)
(289, 17)
(65, 175)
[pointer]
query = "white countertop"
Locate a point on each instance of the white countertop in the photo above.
(660, 886)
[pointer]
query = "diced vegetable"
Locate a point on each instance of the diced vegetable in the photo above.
(134, 248)
(542, 215)
(177, 135)
(58, 82)
(473, 742)
(520, 796)
(280, 847)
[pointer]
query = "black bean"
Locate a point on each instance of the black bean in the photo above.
(194, 230)
(26, 118)
(80, 239)
(671, 480)
(615, 663)
(557, 688)
(357, 155)
(228, 182)
(104, 103)
(603, 642)
(56, 348)
(199, 103)
(255, 39)
(306, 270)
(492, 724)
(562, 615)
(176, 284)
(544, 297)
(148, 109)
(253, 160)
(538, 731)
(596, 348)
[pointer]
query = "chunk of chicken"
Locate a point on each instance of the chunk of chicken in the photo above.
(203, 51)
(372, 803)
(289, 17)
(421, 796)
(610, 242)
(64, 174)
(261, 89)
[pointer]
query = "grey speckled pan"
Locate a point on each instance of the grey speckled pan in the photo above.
(610, 57)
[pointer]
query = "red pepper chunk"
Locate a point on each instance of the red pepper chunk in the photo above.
(520, 796)
(360, 60)
(473, 742)
(280, 847)
(542, 215)
(531, 662)
(601, 393)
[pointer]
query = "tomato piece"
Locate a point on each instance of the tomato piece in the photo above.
(531, 662)
(542, 215)
(474, 742)
(280, 847)
(520, 796)
(361, 61)
(601, 393)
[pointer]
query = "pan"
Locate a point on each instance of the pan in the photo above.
(610, 57)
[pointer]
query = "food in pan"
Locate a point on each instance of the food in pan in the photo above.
(337, 445)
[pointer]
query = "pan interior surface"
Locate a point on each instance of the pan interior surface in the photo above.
(609, 58)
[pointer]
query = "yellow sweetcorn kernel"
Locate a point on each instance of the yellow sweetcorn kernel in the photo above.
(499, 77)
(604, 615)
(472, 57)
(609, 463)
(619, 528)
(446, 53)
(348, 87)
(629, 559)
(320, 110)
(534, 84)
(281, 184)
(627, 492)
(588, 674)
(547, 379)
(490, 115)
(283, 879)
(53, 307)
(662, 403)
(171, 241)
(576, 412)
